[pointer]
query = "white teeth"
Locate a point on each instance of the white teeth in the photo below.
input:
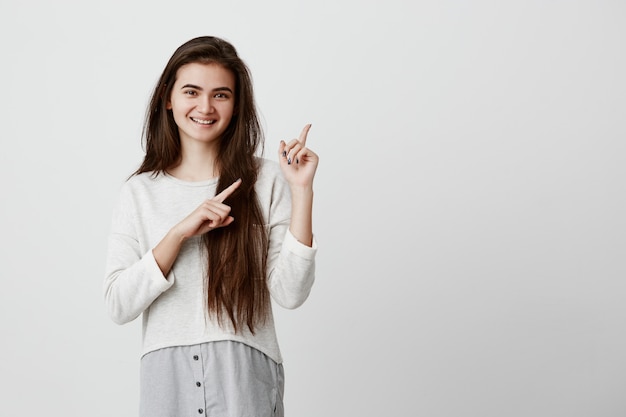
(203, 122)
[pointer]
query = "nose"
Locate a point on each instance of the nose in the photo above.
(206, 105)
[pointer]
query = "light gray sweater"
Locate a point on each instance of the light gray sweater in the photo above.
(173, 306)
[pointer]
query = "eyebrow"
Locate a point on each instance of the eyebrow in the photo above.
(200, 88)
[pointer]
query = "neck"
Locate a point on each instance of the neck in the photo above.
(197, 163)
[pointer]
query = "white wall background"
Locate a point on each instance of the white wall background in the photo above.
(469, 201)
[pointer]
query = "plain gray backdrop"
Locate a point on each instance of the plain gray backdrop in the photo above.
(469, 199)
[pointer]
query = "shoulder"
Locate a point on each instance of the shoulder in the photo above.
(139, 185)
(145, 179)
(268, 167)
(269, 170)
(269, 173)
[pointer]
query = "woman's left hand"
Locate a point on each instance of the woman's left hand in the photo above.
(298, 162)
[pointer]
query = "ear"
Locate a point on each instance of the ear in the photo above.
(168, 103)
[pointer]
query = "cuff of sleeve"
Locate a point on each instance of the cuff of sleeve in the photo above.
(159, 281)
(297, 248)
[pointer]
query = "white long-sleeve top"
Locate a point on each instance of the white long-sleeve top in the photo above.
(173, 306)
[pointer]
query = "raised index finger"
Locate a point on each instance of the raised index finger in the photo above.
(227, 191)
(304, 133)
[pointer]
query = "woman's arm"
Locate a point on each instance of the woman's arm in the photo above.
(133, 280)
(298, 164)
(292, 246)
(211, 214)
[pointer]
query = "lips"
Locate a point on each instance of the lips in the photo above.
(203, 121)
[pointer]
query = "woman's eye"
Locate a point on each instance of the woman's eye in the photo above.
(221, 95)
(190, 93)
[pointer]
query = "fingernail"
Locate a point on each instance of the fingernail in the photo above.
(288, 161)
(297, 161)
(284, 153)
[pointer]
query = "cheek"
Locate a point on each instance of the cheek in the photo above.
(232, 110)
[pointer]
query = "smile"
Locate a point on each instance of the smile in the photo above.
(203, 122)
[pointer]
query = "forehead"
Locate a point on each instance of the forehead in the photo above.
(207, 76)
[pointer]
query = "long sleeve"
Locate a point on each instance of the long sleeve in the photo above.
(133, 279)
(293, 275)
(291, 264)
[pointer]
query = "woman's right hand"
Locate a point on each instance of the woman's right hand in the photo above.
(211, 214)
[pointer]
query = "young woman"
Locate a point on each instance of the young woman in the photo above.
(204, 236)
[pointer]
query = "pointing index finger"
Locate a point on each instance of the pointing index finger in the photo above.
(304, 133)
(227, 191)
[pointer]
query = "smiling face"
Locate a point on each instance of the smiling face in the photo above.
(202, 102)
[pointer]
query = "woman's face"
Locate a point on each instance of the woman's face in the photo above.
(202, 102)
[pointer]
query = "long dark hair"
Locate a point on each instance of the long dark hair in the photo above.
(237, 254)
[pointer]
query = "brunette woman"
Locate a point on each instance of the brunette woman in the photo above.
(205, 234)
